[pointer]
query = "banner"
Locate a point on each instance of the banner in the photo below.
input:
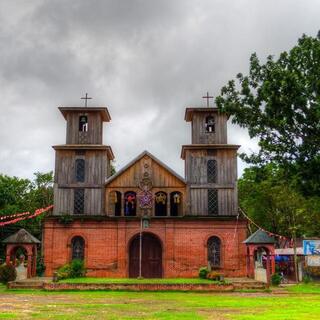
(311, 247)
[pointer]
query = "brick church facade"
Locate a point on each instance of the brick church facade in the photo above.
(145, 219)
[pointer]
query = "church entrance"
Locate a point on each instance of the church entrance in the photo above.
(151, 258)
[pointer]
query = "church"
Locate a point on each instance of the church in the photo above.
(145, 220)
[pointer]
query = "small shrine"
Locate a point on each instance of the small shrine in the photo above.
(22, 246)
(260, 256)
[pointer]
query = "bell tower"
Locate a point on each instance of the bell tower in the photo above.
(210, 164)
(82, 165)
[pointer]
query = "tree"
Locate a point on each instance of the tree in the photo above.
(21, 195)
(275, 205)
(279, 103)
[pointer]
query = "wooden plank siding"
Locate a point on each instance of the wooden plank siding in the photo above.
(96, 167)
(94, 134)
(129, 180)
(226, 175)
(199, 134)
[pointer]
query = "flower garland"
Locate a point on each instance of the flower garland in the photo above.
(268, 232)
(14, 215)
(23, 216)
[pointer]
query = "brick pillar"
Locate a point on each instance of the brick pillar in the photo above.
(34, 266)
(122, 248)
(29, 265)
(168, 251)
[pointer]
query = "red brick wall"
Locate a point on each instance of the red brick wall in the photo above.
(183, 243)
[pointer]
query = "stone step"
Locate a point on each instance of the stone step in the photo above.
(25, 285)
(249, 285)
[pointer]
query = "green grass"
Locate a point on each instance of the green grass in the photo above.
(36, 304)
(305, 288)
(135, 281)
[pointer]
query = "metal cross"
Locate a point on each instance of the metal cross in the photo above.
(207, 97)
(86, 98)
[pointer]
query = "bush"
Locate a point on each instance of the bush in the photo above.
(64, 272)
(75, 269)
(275, 279)
(7, 273)
(306, 278)
(40, 266)
(203, 271)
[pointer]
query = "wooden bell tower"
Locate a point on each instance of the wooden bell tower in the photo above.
(210, 165)
(82, 165)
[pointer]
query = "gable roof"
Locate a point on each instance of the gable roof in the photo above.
(136, 159)
(22, 236)
(260, 237)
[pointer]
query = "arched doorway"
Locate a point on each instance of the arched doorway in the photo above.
(151, 258)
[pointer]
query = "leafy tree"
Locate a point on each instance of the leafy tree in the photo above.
(274, 203)
(279, 103)
(21, 195)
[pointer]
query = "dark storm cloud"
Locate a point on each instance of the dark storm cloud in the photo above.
(146, 60)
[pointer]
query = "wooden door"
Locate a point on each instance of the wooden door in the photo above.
(151, 257)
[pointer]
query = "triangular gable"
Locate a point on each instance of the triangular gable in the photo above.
(135, 161)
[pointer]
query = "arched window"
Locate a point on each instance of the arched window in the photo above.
(212, 171)
(210, 124)
(80, 170)
(130, 203)
(83, 123)
(213, 208)
(77, 245)
(115, 202)
(160, 204)
(214, 252)
(175, 203)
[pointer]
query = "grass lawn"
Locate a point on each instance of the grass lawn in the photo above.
(134, 281)
(298, 304)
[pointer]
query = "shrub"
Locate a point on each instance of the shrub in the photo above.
(40, 266)
(306, 278)
(275, 279)
(75, 269)
(203, 271)
(7, 273)
(64, 272)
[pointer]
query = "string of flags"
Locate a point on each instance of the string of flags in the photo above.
(22, 216)
(271, 234)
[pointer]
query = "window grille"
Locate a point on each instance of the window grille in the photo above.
(213, 202)
(77, 248)
(212, 171)
(80, 170)
(78, 201)
(214, 252)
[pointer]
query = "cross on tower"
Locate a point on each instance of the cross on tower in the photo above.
(86, 98)
(207, 97)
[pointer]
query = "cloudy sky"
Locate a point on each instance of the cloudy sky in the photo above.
(145, 60)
